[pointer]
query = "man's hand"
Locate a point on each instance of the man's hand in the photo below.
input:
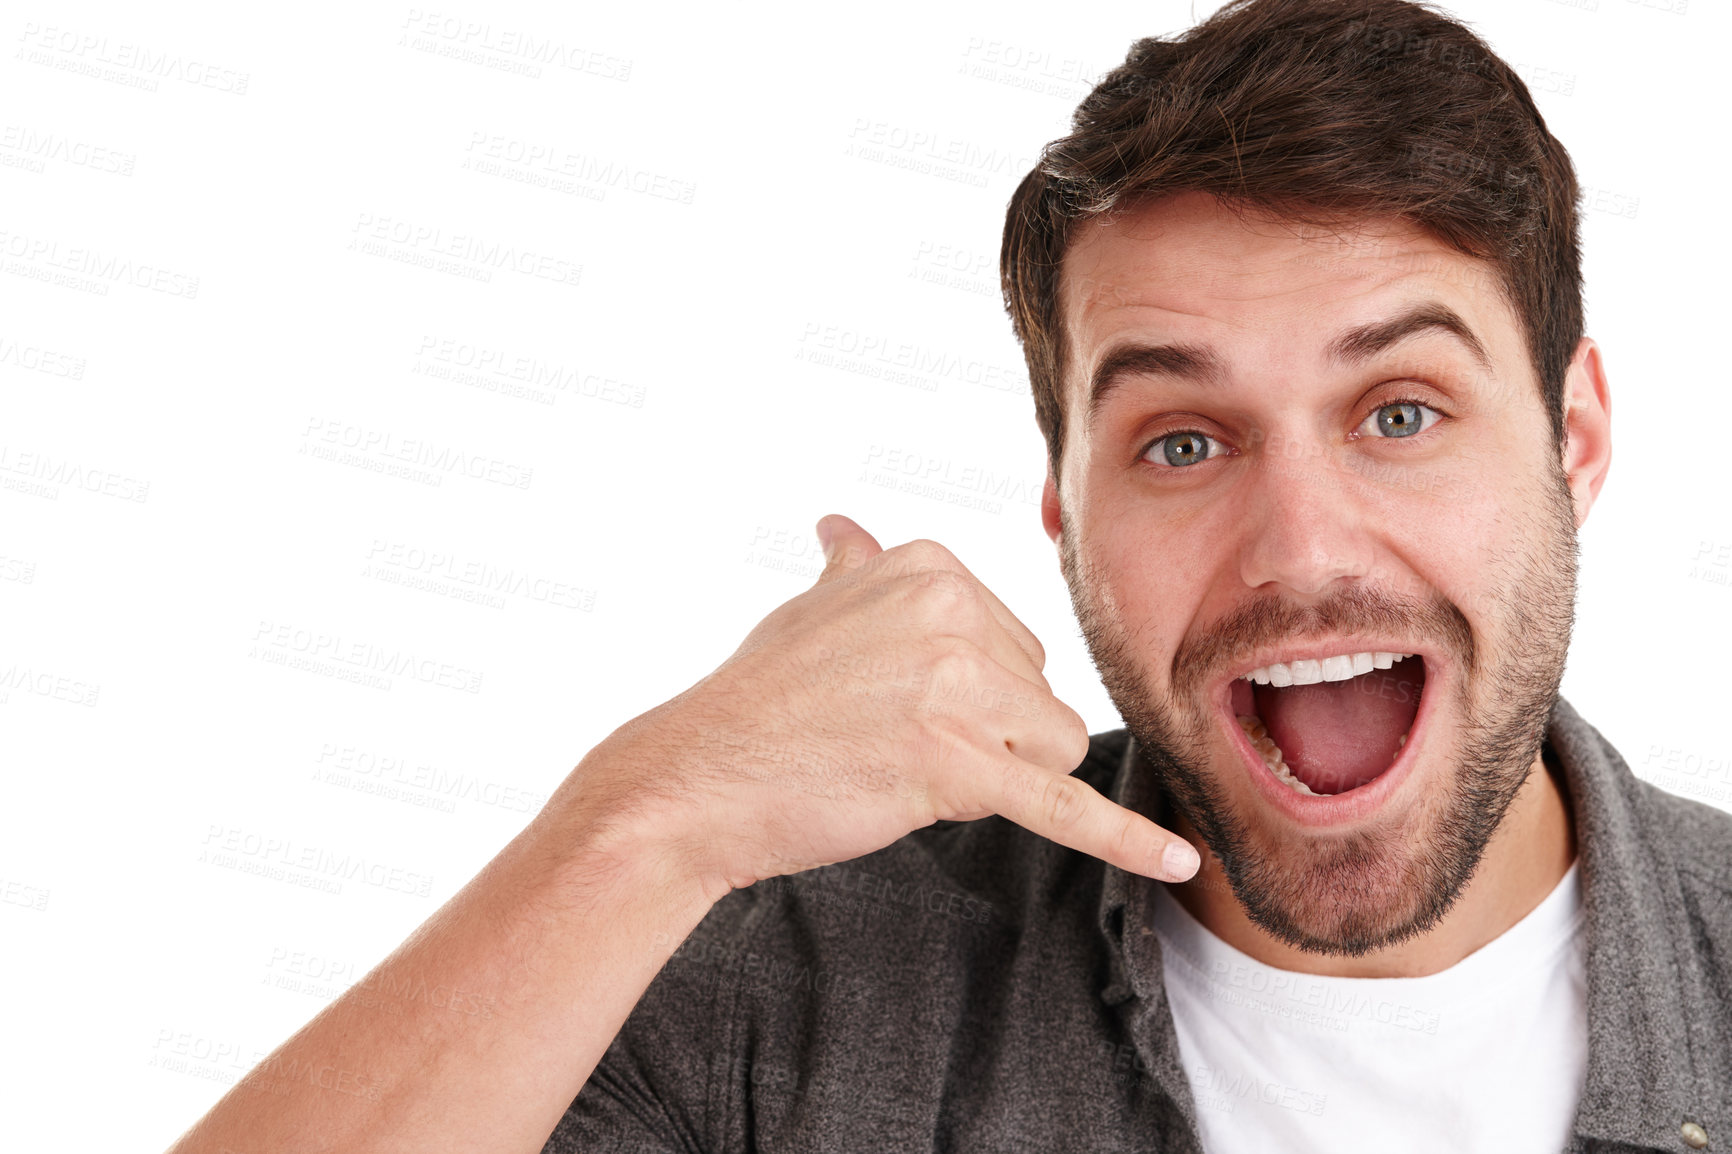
(897, 691)
(894, 692)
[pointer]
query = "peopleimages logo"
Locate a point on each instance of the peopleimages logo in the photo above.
(416, 781)
(475, 574)
(331, 438)
(49, 472)
(512, 49)
(37, 359)
(93, 55)
(43, 683)
(44, 254)
(425, 244)
(274, 642)
(283, 860)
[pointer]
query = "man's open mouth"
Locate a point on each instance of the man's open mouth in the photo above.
(1329, 725)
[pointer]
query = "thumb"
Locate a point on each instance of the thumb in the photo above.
(846, 545)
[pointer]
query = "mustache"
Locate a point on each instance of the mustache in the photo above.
(1270, 619)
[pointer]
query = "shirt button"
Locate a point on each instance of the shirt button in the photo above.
(1694, 1136)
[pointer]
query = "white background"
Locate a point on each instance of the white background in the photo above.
(672, 482)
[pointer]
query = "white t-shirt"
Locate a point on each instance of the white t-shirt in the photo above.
(1488, 1055)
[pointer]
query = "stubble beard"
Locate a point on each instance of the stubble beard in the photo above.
(1349, 894)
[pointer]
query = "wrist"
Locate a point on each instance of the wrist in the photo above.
(607, 829)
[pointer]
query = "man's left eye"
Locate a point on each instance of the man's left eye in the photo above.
(1400, 419)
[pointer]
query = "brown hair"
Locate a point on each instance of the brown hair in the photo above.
(1325, 112)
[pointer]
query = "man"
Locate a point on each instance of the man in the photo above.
(1300, 297)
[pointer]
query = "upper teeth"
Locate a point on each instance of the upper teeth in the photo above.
(1308, 671)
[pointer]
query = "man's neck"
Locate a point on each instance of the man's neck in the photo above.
(1523, 862)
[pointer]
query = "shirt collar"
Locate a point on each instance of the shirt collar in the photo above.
(1641, 1082)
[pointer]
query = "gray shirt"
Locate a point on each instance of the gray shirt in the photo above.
(976, 987)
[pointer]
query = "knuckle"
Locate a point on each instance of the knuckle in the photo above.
(943, 599)
(1063, 802)
(943, 584)
(914, 557)
(927, 551)
(953, 664)
(929, 563)
(1077, 735)
(1124, 842)
(948, 752)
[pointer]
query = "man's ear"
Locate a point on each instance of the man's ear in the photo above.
(1049, 508)
(1587, 448)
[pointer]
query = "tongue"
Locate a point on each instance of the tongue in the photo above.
(1336, 735)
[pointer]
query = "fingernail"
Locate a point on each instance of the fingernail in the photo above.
(824, 534)
(1180, 860)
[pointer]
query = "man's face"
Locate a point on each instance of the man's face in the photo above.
(1272, 494)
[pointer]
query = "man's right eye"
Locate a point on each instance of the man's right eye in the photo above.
(1186, 447)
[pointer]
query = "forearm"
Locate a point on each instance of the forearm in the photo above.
(477, 1032)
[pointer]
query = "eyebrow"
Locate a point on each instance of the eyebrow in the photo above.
(1354, 346)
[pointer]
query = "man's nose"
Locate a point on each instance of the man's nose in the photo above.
(1304, 524)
